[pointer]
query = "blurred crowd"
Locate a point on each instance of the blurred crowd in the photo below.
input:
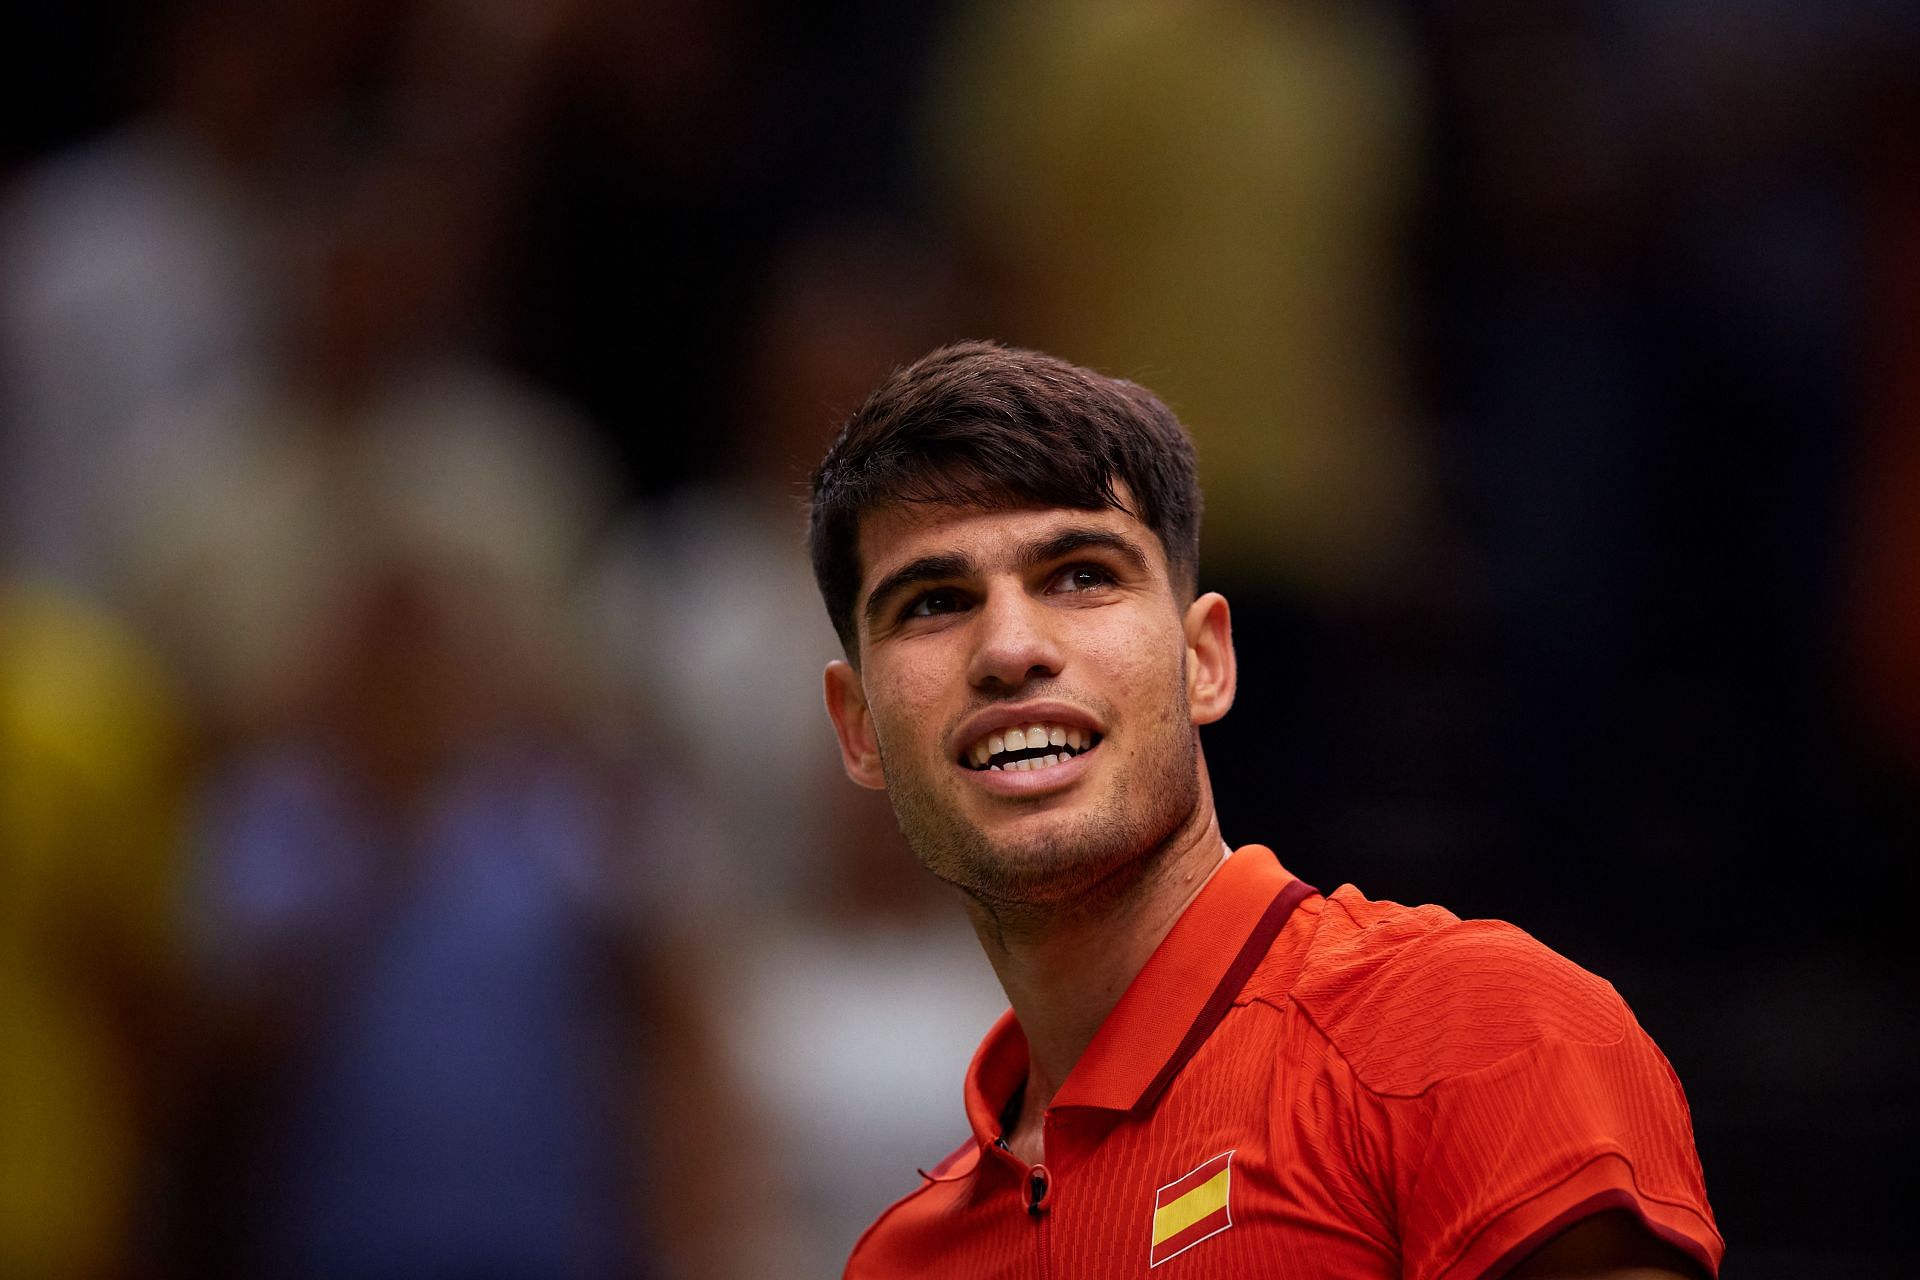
(422, 853)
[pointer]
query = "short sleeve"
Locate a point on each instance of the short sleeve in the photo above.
(1497, 1161)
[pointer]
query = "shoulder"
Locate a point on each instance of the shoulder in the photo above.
(917, 1230)
(1413, 996)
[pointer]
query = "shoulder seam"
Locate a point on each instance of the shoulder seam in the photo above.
(1381, 1095)
(1338, 1052)
(1353, 1118)
(1625, 1024)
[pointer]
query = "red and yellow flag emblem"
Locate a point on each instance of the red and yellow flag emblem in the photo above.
(1189, 1209)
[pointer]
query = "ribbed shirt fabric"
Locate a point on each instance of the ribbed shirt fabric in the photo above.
(1396, 1092)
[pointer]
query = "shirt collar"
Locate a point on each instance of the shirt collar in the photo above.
(1176, 999)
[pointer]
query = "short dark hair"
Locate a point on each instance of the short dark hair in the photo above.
(981, 425)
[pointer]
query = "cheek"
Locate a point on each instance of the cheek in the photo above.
(1145, 672)
(909, 707)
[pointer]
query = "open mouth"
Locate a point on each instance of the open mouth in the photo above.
(1035, 746)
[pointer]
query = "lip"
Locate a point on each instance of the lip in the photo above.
(980, 724)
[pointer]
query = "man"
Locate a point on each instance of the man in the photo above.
(1208, 1065)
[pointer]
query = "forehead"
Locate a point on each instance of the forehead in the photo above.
(991, 537)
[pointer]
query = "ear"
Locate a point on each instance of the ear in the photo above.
(1212, 675)
(853, 725)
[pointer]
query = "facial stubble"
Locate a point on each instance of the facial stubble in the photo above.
(1152, 796)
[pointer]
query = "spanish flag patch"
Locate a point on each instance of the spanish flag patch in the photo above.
(1189, 1209)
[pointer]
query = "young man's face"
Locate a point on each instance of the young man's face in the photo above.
(1028, 693)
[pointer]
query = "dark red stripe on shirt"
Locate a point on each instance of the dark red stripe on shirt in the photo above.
(1252, 952)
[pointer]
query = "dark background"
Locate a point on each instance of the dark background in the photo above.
(1633, 658)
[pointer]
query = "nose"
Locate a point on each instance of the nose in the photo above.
(1014, 642)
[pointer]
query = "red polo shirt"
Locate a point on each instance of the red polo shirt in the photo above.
(1316, 1086)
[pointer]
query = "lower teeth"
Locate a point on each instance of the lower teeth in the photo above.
(1031, 763)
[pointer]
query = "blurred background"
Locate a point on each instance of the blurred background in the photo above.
(422, 852)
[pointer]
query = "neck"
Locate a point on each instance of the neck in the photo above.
(1063, 973)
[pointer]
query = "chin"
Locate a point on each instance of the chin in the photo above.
(1059, 847)
(1043, 860)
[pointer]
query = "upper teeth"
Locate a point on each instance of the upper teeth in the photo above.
(1067, 742)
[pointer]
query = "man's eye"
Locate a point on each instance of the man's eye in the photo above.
(931, 603)
(1082, 577)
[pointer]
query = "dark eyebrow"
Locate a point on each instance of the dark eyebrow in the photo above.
(926, 569)
(1060, 545)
